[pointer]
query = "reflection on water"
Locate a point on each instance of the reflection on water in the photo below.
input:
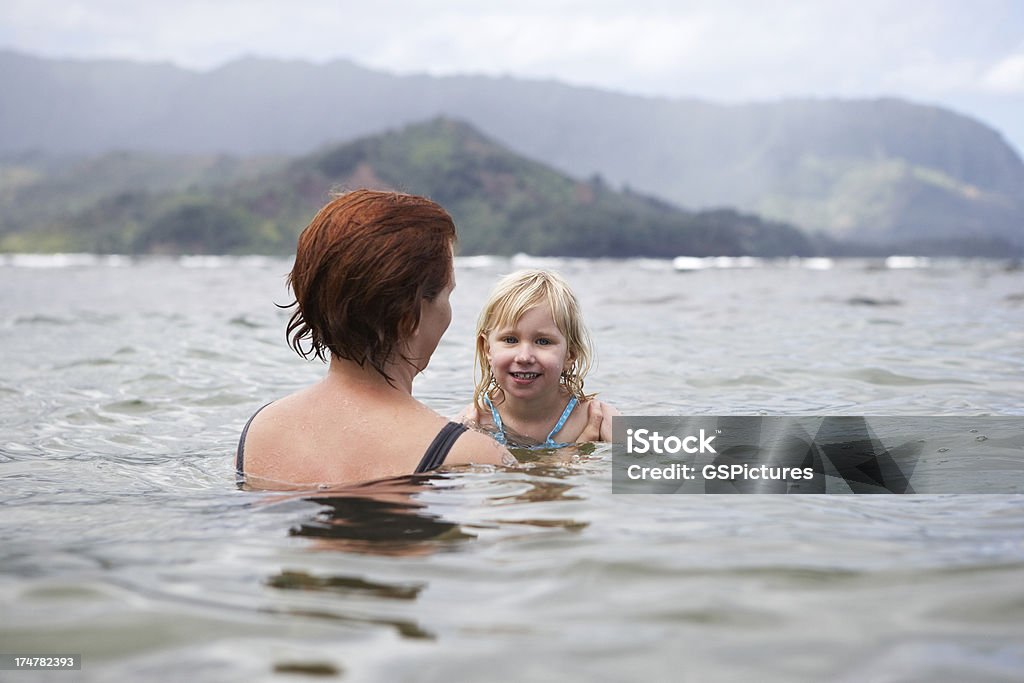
(541, 490)
(388, 519)
(308, 668)
(380, 518)
(403, 627)
(343, 585)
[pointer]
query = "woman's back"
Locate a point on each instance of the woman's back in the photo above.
(340, 430)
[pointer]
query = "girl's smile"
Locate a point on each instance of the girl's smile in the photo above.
(525, 376)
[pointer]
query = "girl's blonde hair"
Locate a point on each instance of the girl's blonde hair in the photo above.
(513, 296)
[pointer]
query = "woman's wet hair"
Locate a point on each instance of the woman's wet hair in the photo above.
(513, 296)
(362, 268)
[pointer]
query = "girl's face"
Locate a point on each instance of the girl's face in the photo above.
(528, 357)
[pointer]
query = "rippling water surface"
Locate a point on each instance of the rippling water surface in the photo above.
(124, 539)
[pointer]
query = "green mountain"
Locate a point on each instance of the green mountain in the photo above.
(502, 203)
(879, 172)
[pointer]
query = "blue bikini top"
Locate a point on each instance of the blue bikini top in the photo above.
(499, 436)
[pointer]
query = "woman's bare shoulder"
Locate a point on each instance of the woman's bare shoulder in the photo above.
(276, 437)
(277, 418)
(479, 449)
(263, 441)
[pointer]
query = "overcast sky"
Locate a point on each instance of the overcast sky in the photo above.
(966, 55)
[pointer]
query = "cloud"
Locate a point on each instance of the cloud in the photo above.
(1007, 75)
(732, 50)
(965, 55)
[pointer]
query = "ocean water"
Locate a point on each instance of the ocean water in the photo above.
(123, 538)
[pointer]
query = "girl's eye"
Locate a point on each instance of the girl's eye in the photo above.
(509, 339)
(543, 341)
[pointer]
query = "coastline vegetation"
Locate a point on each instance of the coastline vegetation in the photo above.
(503, 203)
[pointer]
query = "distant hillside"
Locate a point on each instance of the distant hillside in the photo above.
(501, 202)
(879, 171)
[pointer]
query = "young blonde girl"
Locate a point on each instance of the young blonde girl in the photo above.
(533, 353)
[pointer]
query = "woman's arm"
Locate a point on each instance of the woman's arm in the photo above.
(608, 413)
(476, 448)
(599, 422)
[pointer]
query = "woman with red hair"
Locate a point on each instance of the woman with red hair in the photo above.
(372, 277)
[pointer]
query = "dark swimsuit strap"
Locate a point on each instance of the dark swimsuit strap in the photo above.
(438, 449)
(240, 453)
(433, 458)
